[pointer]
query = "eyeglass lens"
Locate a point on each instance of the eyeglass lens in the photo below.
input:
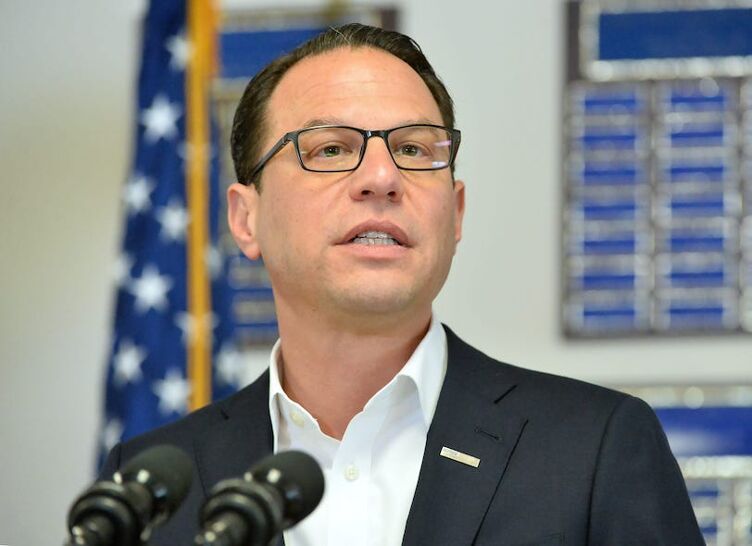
(339, 148)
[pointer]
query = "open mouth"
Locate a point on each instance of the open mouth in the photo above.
(374, 238)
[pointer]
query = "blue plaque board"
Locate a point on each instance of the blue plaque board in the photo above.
(642, 35)
(657, 235)
(709, 429)
(621, 39)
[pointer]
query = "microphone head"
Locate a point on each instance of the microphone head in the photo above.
(297, 476)
(165, 471)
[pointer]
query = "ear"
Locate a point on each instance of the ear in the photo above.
(459, 208)
(242, 210)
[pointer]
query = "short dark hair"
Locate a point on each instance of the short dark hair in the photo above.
(249, 123)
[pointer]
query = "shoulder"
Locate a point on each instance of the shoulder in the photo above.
(194, 427)
(562, 415)
(473, 363)
(542, 394)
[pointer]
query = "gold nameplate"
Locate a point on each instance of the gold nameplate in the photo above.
(460, 457)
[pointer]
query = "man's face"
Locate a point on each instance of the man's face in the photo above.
(304, 224)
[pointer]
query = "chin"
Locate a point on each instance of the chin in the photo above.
(378, 302)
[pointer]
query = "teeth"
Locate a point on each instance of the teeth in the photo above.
(374, 238)
(375, 235)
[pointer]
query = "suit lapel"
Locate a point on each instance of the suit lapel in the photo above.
(451, 498)
(239, 438)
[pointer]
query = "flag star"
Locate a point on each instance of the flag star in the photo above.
(160, 119)
(112, 434)
(136, 194)
(214, 261)
(127, 363)
(150, 290)
(173, 392)
(231, 366)
(180, 51)
(174, 219)
(191, 325)
(123, 266)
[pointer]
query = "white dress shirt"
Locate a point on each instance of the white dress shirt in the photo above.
(372, 472)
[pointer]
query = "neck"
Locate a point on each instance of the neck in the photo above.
(332, 368)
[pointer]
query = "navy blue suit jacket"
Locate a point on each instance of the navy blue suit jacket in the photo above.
(561, 461)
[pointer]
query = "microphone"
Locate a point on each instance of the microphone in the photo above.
(273, 495)
(123, 512)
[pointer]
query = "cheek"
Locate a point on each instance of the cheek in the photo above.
(446, 231)
(290, 225)
(441, 212)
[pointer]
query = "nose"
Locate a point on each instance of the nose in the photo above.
(377, 177)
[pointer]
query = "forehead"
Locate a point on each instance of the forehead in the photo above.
(363, 87)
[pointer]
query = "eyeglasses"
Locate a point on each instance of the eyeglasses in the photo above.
(338, 148)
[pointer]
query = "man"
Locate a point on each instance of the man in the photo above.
(344, 153)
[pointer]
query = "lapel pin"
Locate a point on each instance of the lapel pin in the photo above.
(460, 457)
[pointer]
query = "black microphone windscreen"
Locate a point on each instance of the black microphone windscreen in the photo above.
(296, 468)
(170, 473)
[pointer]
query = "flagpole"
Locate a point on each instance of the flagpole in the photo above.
(201, 37)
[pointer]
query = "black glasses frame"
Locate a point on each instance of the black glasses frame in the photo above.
(293, 136)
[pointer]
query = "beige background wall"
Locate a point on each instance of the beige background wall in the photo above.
(67, 71)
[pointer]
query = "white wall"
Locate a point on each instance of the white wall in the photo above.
(65, 118)
(67, 72)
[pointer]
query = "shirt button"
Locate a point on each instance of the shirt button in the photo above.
(297, 418)
(351, 473)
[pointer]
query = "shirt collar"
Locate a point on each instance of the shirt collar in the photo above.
(425, 369)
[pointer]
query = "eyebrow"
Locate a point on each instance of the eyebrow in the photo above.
(339, 121)
(323, 121)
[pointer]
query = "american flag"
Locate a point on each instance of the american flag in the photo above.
(147, 381)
